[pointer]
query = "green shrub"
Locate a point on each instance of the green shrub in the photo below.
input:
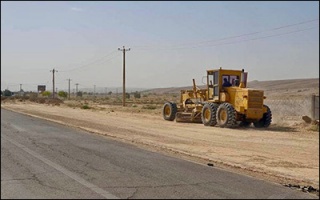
(150, 107)
(79, 94)
(85, 107)
(46, 93)
(63, 94)
(137, 95)
(7, 93)
(314, 127)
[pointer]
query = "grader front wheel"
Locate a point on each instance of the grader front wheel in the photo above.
(169, 111)
(208, 114)
(226, 115)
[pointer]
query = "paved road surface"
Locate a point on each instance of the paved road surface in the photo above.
(41, 159)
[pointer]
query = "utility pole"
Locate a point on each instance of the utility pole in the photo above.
(53, 81)
(94, 90)
(77, 89)
(69, 89)
(20, 91)
(124, 75)
(106, 91)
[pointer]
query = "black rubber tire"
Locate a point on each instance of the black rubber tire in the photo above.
(208, 114)
(169, 111)
(266, 119)
(226, 116)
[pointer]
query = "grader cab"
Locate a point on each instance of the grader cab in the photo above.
(219, 104)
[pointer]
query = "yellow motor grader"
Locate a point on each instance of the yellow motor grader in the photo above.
(218, 104)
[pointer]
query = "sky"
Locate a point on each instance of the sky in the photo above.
(171, 42)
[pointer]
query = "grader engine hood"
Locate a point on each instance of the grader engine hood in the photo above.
(249, 102)
(255, 99)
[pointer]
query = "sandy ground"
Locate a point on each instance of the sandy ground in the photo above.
(280, 154)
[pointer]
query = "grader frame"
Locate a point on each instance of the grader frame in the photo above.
(218, 105)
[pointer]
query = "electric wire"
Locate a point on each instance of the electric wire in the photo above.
(257, 38)
(146, 47)
(92, 63)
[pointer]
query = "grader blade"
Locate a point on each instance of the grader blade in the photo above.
(188, 117)
(196, 118)
(183, 117)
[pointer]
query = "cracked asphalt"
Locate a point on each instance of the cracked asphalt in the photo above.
(41, 159)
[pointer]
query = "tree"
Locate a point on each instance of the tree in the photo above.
(7, 93)
(63, 94)
(109, 93)
(127, 95)
(46, 93)
(79, 94)
(137, 95)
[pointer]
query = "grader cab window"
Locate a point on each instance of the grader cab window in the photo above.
(213, 79)
(232, 79)
(213, 84)
(216, 84)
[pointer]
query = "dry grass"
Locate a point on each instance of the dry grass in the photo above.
(288, 100)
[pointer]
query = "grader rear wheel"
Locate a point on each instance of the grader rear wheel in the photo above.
(226, 115)
(169, 111)
(266, 119)
(208, 114)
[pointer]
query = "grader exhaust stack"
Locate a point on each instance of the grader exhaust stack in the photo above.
(242, 84)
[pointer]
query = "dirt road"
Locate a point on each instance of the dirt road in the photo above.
(279, 154)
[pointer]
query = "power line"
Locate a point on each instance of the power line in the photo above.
(268, 30)
(219, 44)
(93, 62)
(234, 42)
(232, 37)
(101, 62)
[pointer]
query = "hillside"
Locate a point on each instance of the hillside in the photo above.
(308, 86)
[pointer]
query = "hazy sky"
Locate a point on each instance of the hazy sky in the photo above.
(171, 42)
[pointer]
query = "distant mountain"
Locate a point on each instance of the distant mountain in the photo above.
(295, 84)
(112, 89)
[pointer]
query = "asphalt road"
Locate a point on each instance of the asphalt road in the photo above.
(41, 159)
